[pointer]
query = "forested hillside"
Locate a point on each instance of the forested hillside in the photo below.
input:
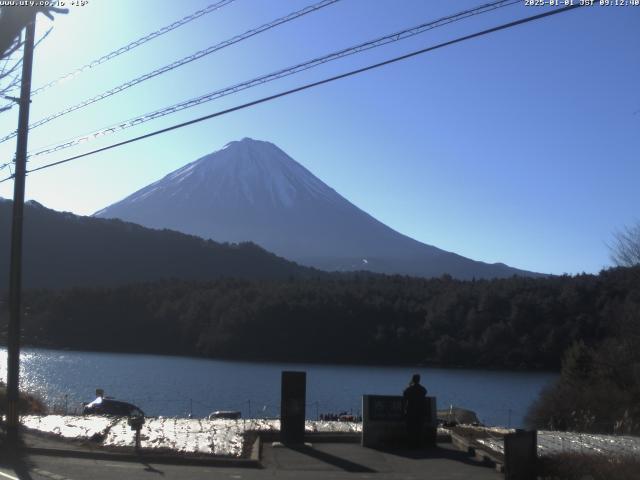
(508, 323)
(66, 250)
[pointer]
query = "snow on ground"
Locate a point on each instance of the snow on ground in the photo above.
(226, 437)
(551, 442)
(183, 435)
(493, 444)
(331, 427)
(556, 442)
(69, 426)
(210, 437)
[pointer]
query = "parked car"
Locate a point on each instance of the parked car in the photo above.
(228, 414)
(109, 406)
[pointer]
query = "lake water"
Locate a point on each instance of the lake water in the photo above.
(177, 386)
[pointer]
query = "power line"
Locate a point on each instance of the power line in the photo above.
(130, 46)
(15, 81)
(179, 63)
(310, 85)
(378, 42)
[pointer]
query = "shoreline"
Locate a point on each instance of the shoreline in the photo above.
(297, 362)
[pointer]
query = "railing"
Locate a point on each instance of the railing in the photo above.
(194, 408)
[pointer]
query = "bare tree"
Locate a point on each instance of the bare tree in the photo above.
(625, 250)
(10, 43)
(12, 23)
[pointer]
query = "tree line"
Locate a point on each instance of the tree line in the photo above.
(586, 325)
(520, 323)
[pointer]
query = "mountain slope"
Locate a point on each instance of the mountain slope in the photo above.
(252, 190)
(62, 250)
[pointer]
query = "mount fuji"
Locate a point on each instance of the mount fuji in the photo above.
(251, 190)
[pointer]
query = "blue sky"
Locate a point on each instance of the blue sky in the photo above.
(519, 147)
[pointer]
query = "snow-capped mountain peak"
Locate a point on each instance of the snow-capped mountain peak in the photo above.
(251, 190)
(254, 170)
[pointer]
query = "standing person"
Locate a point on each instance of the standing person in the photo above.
(414, 403)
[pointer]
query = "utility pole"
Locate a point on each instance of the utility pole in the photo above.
(15, 272)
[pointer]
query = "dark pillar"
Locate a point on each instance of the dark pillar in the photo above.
(520, 455)
(430, 428)
(15, 269)
(292, 407)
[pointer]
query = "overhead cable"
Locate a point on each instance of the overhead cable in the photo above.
(130, 46)
(378, 42)
(308, 86)
(178, 63)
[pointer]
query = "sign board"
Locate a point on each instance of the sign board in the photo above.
(385, 408)
(520, 455)
(384, 424)
(292, 406)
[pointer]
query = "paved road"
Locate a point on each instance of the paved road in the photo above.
(57, 468)
(321, 462)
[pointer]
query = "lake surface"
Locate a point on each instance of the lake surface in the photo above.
(177, 386)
